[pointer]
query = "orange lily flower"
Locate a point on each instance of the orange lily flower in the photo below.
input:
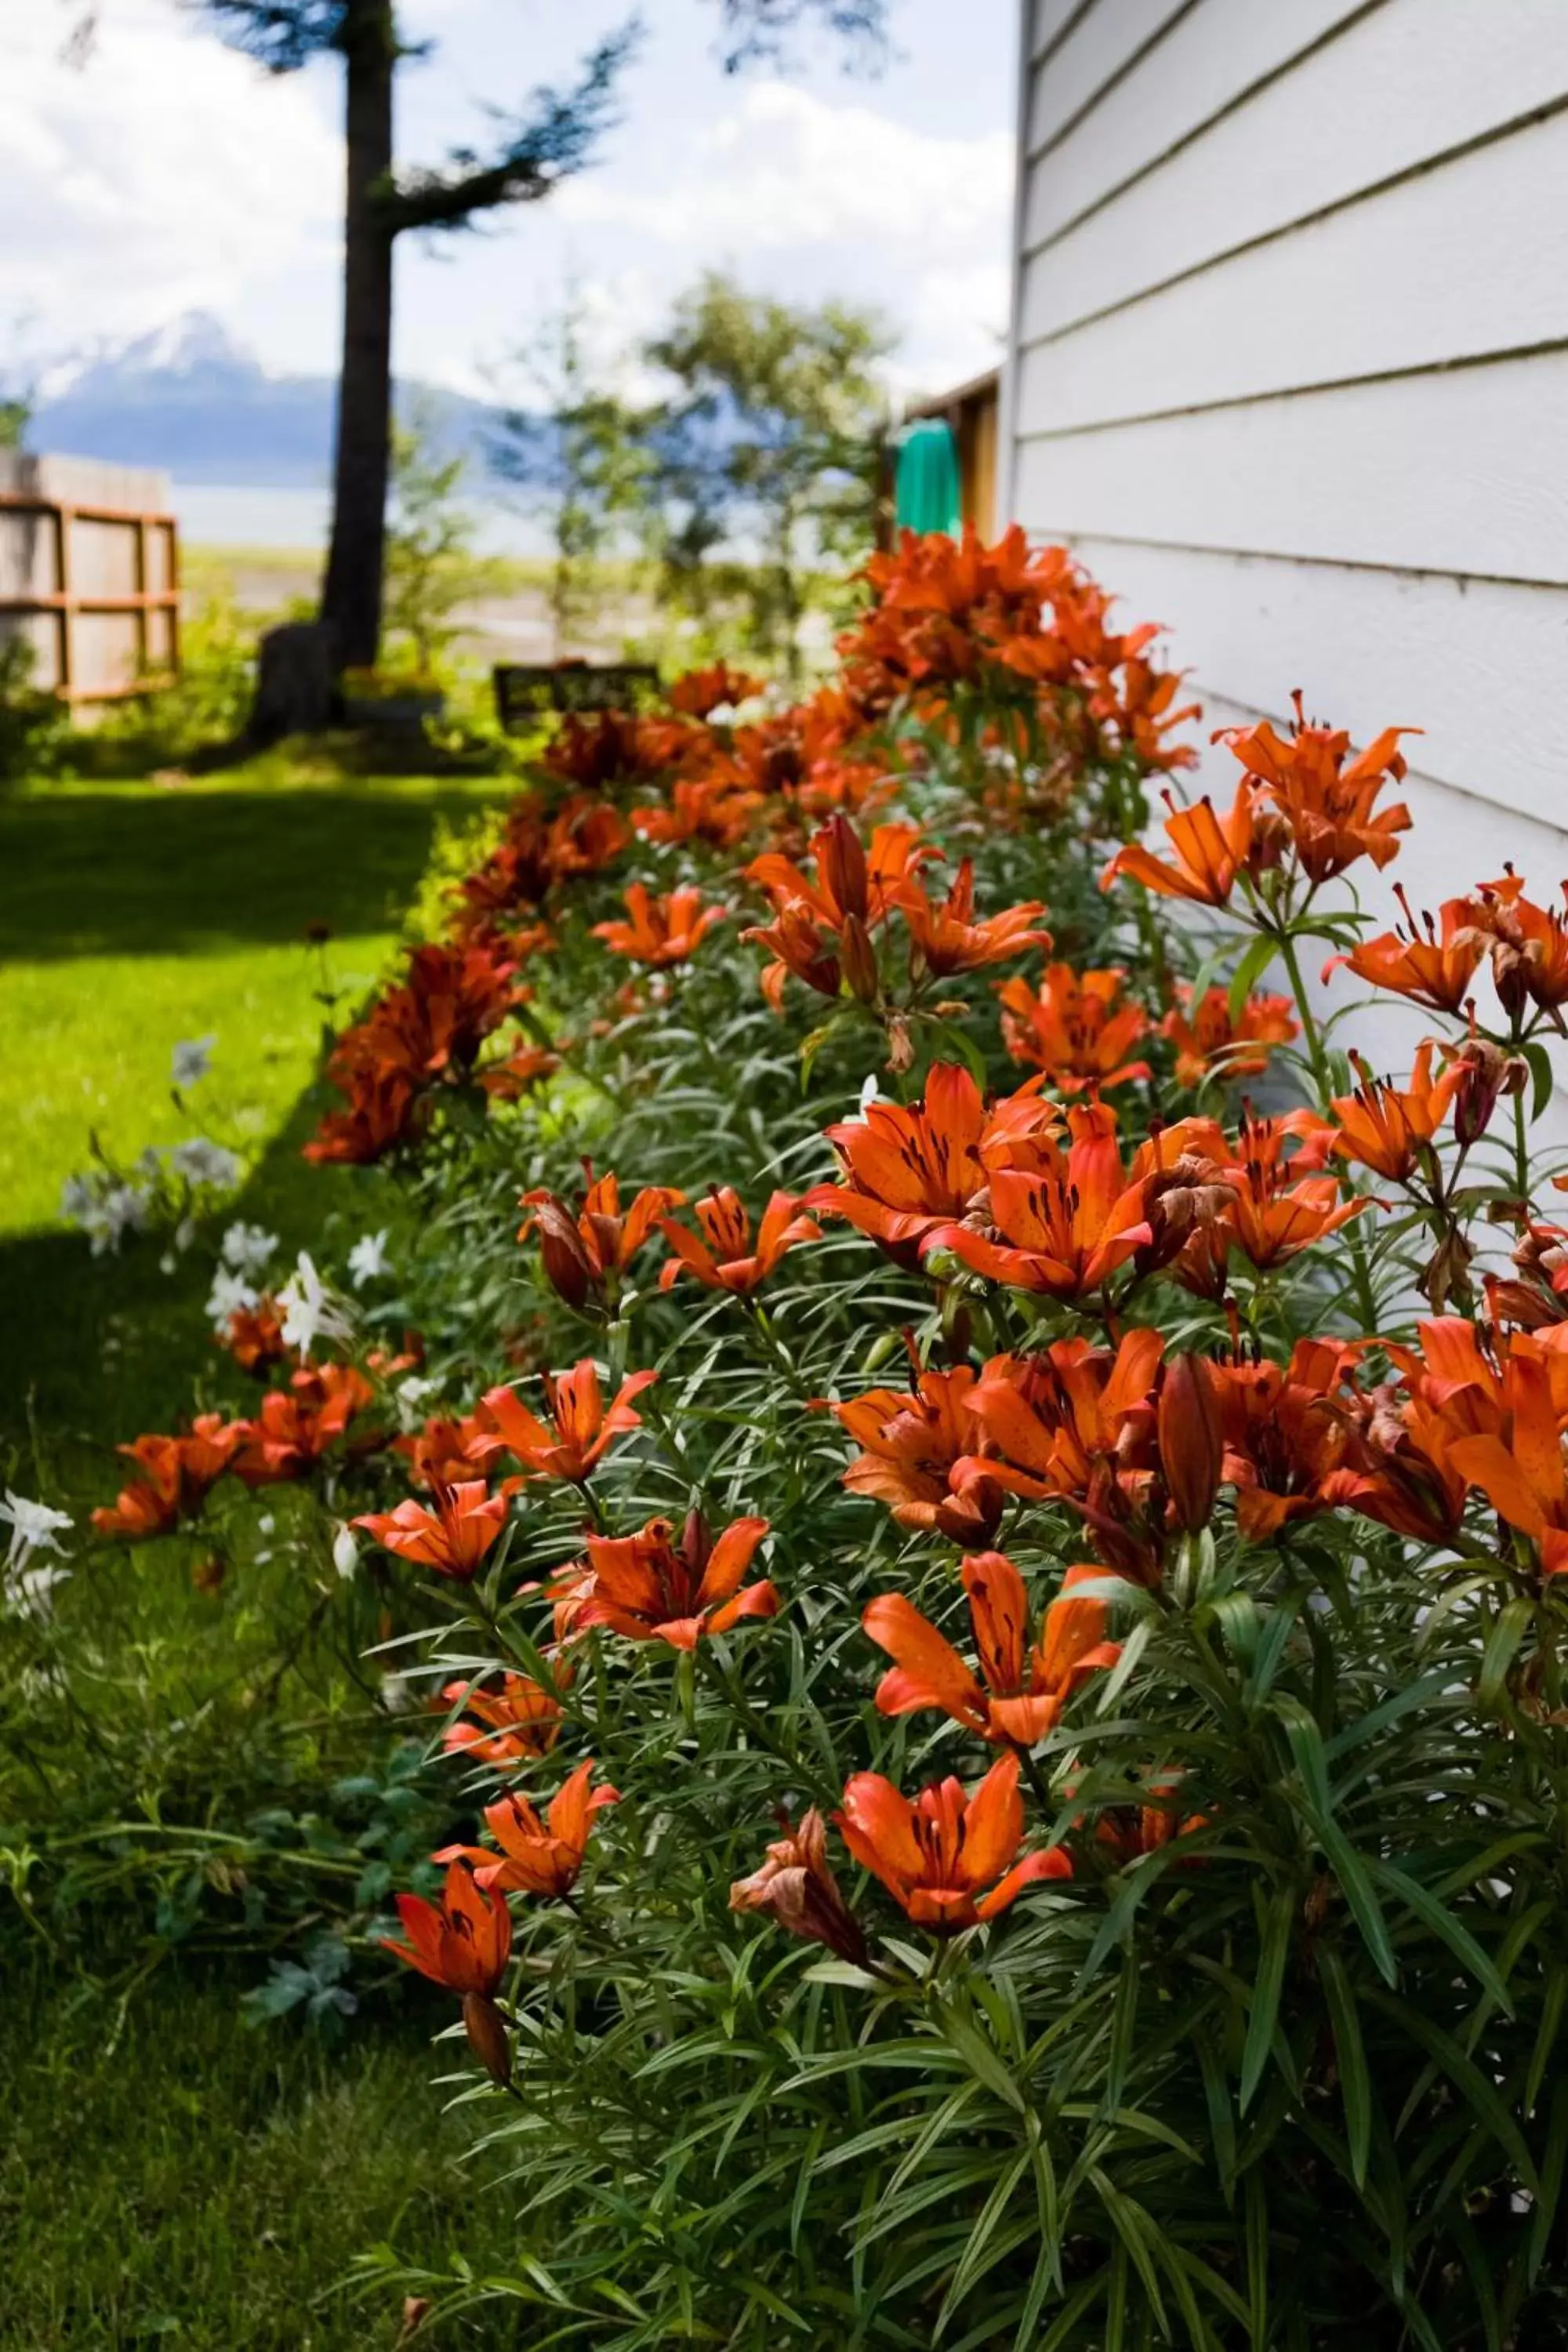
(1051, 1417)
(1286, 1433)
(445, 1451)
(697, 692)
(463, 1941)
(523, 1716)
(661, 931)
(1131, 1832)
(1394, 1472)
(510, 1080)
(386, 1108)
(1208, 1043)
(906, 1172)
(1061, 1229)
(1210, 852)
(950, 940)
(452, 1535)
(1435, 970)
(538, 1857)
(586, 1252)
(1139, 709)
(1529, 945)
(173, 1476)
(594, 752)
(1072, 1028)
(1272, 1217)
(428, 1025)
(652, 1587)
(1521, 1472)
(1385, 1126)
(254, 1337)
(723, 1257)
(294, 1427)
(921, 1456)
(580, 1432)
(944, 1858)
(794, 1886)
(1328, 808)
(1020, 1691)
(700, 808)
(1079, 1423)
(822, 928)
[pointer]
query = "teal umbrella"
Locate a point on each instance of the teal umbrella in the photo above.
(926, 493)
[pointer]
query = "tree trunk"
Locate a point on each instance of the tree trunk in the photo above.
(352, 595)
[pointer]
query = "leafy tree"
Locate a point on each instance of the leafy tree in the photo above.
(579, 458)
(431, 565)
(531, 152)
(767, 450)
(553, 136)
(16, 396)
(755, 30)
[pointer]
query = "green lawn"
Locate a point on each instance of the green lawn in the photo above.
(132, 917)
(168, 2175)
(174, 2177)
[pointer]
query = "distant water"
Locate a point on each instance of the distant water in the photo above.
(217, 514)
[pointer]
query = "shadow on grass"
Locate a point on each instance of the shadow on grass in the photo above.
(192, 870)
(101, 1349)
(168, 2175)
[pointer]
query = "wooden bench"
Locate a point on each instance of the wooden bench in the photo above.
(526, 692)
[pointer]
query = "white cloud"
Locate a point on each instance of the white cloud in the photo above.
(799, 192)
(783, 167)
(172, 175)
(166, 174)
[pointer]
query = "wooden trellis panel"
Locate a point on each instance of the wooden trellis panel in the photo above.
(89, 573)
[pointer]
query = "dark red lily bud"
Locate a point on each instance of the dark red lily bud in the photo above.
(972, 1512)
(488, 2037)
(860, 962)
(1485, 1073)
(568, 1269)
(696, 1543)
(795, 1887)
(841, 863)
(1191, 1439)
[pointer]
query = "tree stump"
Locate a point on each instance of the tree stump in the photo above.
(296, 688)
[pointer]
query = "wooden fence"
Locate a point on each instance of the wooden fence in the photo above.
(89, 575)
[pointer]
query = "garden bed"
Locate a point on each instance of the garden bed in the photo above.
(950, 1626)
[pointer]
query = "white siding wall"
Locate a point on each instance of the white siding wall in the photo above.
(1291, 371)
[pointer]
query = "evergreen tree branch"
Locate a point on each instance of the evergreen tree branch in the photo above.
(557, 140)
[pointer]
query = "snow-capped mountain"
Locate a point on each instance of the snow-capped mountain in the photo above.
(188, 399)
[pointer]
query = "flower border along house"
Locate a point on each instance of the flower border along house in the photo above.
(1289, 364)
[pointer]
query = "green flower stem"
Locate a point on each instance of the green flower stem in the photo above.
(728, 1686)
(1366, 1300)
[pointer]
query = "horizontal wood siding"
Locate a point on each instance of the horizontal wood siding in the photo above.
(1366, 291)
(1290, 366)
(1409, 82)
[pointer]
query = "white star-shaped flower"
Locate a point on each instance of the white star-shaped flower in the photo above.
(191, 1059)
(247, 1249)
(308, 1310)
(367, 1259)
(229, 1295)
(203, 1161)
(34, 1526)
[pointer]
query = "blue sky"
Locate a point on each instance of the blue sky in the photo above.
(169, 174)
